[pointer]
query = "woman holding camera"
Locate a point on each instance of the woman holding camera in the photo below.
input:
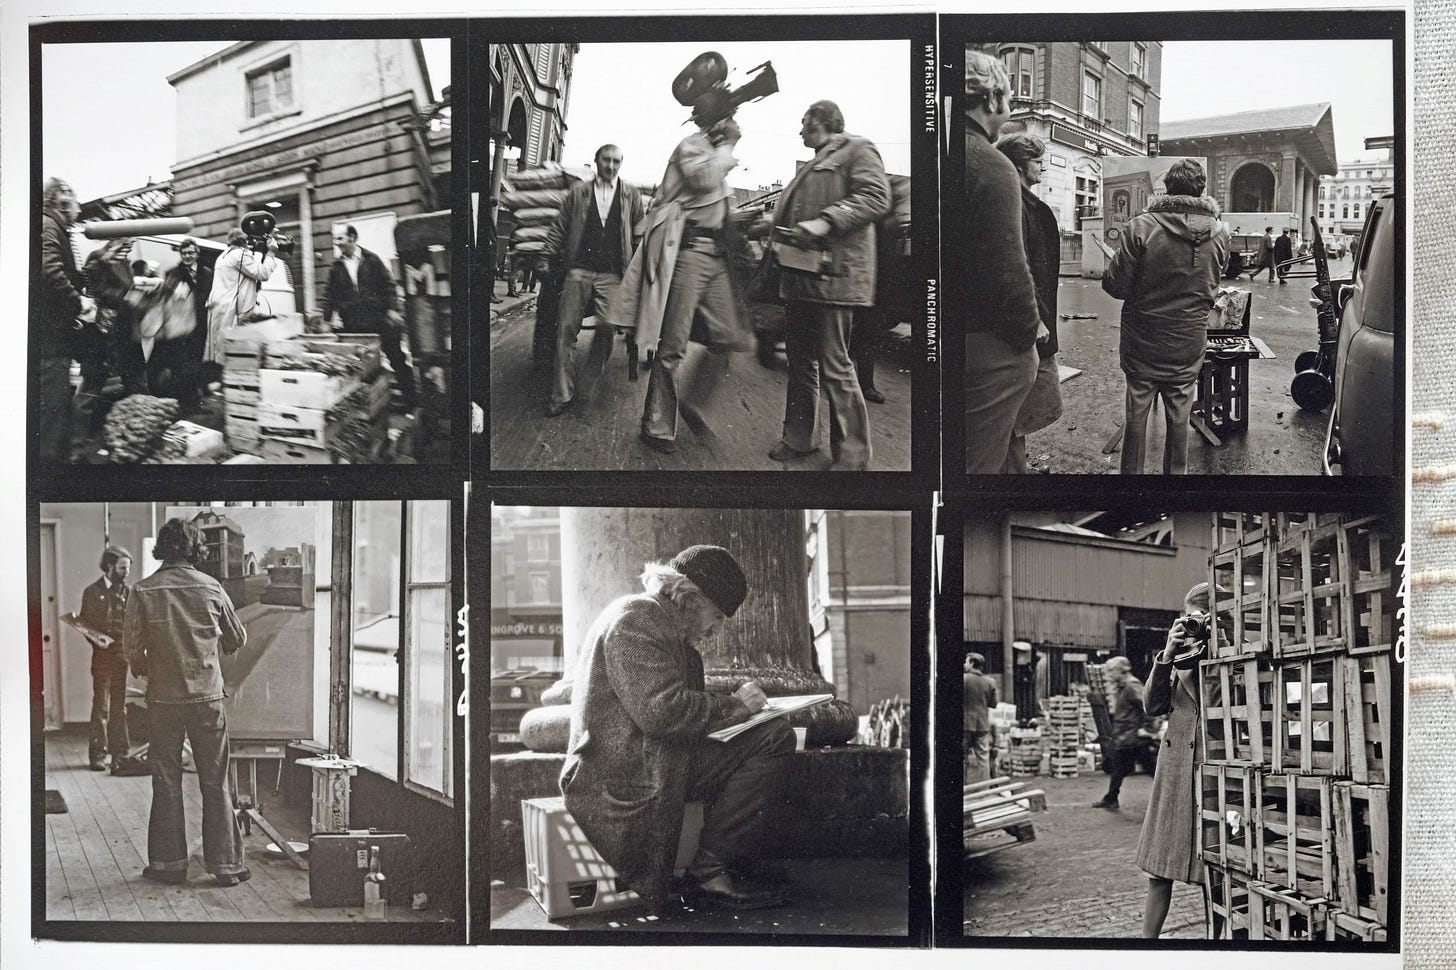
(1168, 846)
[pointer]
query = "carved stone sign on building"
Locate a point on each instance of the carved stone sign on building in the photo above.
(284, 158)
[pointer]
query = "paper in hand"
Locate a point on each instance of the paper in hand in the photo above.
(776, 707)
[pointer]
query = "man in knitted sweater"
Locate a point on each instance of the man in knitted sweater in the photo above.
(639, 748)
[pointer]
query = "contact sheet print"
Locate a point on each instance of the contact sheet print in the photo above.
(431, 537)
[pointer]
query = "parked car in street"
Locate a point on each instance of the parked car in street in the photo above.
(1361, 436)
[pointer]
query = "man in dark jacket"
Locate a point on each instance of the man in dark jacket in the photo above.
(362, 291)
(1002, 318)
(103, 608)
(1128, 724)
(1283, 252)
(1043, 240)
(831, 206)
(1166, 271)
(639, 749)
(591, 242)
(977, 701)
(179, 624)
(56, 302)
(1264, 256)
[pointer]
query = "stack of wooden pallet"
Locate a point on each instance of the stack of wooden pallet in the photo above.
(1062, 732)
(996, 814)
(1023, 757)
(1294, 825)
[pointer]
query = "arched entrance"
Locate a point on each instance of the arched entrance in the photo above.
(517, 131)
(1252, 189)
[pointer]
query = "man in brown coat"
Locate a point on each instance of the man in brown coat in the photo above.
(639, 748)
(830, 206)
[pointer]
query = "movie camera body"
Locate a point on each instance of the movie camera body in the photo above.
(259, 226)
(702, 86)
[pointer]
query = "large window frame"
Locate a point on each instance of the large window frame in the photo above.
(1092, 96)
(1134, 118)
(1020, 64)
(267, 76)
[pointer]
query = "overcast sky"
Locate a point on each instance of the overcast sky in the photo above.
(103, 141)
(1206, 78)
(622, 94)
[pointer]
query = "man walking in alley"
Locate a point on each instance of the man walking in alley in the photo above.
(978, 700)
(1128, 723)
(179, 623)
(591, 240)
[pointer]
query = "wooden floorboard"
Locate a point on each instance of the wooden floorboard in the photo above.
(94, 855)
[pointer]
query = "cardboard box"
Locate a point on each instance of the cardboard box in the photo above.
(563, 870)
(289, 452)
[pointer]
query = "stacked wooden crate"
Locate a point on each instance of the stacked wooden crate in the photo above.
(1023, 756)
(243, 358)
(1296, 689)
(322, 399)
(1062, 732)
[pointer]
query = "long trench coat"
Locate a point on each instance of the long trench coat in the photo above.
(1168, 844)
(639, 714)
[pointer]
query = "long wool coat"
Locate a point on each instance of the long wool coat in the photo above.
(639, 714)
(1168, 845)
(844, 184)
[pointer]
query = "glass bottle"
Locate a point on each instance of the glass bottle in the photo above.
(374, 887)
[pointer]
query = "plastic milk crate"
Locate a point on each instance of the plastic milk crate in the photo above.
(564, 871)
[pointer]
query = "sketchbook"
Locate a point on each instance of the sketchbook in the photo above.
(777, 707)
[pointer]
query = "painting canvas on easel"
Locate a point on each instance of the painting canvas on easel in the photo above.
(266, 560)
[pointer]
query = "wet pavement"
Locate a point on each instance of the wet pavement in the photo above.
(1281, 439)
(1078, 878)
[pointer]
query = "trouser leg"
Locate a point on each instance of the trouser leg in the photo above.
(660, 412)
(167, 827)
(978, 751)
(603, 287)
(1137, 402)
(222, 839)
(801, 403)
(1122, 765)
(100, 705)
(849, 419)
(575, 294)
(118, 738)
(1178, 407)
(739, 784)
(52, 389)
(998, 378)
(404, 375)
(864, 344)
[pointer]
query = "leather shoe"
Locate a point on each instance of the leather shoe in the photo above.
(735, 892)
(665, 445)
(783, 451)
(229, 879)
(1110, 805)
(97, 764)
(556, 407)
(873, 395)
(170, 877)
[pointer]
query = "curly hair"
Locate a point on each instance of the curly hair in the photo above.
(660, 579)
(179, 539)
(1021, 148)
(987, 84)
(1185, 178)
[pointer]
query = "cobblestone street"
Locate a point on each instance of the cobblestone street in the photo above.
(1078, 878)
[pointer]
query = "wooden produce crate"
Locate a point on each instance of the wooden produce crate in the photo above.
(1234, 529)
(1237, 711)
(1368, 703)
(1344, 927)
(1241, 605)
(1062, 732)
(1280, 914)
(1296, 834)
(1371, 603)
(1362, 849)
(1226, 903)
(303, 425)
(242, 391)
(1311, 734)
(997, 814)
(1227, 817)
(302, 388)
(1311, 586)
(1023, 757)
(286, 451)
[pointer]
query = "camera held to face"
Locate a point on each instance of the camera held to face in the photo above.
(258, 226)
(1196, 626)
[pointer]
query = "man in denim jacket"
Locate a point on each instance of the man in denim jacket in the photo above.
(179, 623)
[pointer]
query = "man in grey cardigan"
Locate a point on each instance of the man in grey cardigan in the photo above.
(639, 750)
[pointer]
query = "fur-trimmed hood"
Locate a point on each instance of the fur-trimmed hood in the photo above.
(1190, 217)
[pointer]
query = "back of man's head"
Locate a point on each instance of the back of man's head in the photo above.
(179, 539)
(1185, 178)
(975, 662)
(987, 84)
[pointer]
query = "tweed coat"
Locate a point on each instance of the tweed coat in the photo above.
(845, 185)
(563, 240)
(639, 715)
(1168, 844)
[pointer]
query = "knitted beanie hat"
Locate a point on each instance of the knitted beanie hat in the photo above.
(714, 570)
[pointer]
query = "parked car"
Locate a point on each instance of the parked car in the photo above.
(1361, 436)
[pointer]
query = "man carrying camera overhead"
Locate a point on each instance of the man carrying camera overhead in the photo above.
(237, 276)
(362, 291)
